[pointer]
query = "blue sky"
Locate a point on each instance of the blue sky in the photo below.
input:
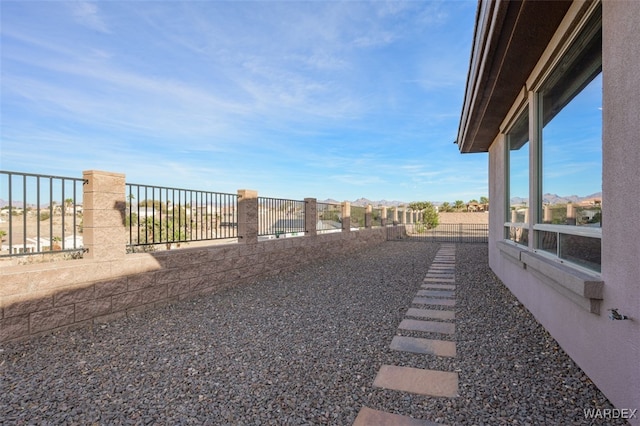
(293, 99)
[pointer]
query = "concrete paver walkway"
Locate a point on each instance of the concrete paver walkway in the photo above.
(439, 292)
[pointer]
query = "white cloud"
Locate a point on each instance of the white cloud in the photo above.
(87, 14)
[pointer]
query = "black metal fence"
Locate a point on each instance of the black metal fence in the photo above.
(40, 214)
(279, 216)
(445, 233)
(376, 217)
(329, 217)
(160, 215)
(357, 216)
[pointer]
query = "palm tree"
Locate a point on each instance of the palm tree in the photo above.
(458, 205)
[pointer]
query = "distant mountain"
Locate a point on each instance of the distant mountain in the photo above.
(363, 202)
(557, 199)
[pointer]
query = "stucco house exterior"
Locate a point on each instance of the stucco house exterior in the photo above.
(534, 65)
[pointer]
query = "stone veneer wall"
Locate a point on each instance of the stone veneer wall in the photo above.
(108, 283)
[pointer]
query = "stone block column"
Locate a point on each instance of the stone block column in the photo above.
(383, 216)
(547, 215)
(346, 216)
(571, 214)
(311, 217)
(395, 215)
(104, 215)
(247, 216)
(368, 216)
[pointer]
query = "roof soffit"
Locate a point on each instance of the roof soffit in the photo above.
(509, 40)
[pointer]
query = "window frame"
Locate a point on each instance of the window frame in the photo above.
(571, 30)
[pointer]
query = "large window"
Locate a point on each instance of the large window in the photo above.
(517, 228)
(566, 195)
(571, 147)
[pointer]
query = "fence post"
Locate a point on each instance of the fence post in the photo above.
(311, 217)
(368, 215)
(103, 215)
(383, 216)
(395, 215)
(247, 216)
(346, 216)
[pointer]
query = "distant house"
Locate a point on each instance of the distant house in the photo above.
(327, 226)
(289, 227)
(531, 62)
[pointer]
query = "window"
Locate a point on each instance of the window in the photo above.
(565, 102)
(516, 228)
(571, 145)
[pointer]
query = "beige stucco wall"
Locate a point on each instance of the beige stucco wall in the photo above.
(463, 217)
(608, 351)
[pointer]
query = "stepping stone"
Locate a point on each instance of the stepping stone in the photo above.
(428, 326)
(432, 301)
(436, 286)
(416, 380)
(436, 293)
(370, 417)
(439, 267)
(431, 313)
(423, 346)
(436, 274)
(443, 280)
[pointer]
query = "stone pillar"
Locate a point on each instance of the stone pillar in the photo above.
(514, 216)
(247, 216)
(571, 214)
(368, 216)
(104, 215)
(547, 215)
(410, 214)
(395, 215)
(311, 217)
(346, 216)
(383, 216)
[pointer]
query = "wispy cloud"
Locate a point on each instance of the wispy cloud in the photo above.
(289, 98)
(87, 14)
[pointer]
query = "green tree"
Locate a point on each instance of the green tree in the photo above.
(429, 212)
(458, 205)
(445, 207)
(68, 203)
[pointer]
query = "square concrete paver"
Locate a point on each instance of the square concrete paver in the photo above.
(370, 417)
(428, 326)
(423, 346)
(431, 313)
(432, 279)
(437, 293)
(432, 301)
(416, 380)
(438, 286)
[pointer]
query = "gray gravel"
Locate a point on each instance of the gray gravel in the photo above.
(302, 348)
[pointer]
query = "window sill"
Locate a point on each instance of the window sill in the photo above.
(580, 287)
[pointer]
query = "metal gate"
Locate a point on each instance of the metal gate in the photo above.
(444, 233)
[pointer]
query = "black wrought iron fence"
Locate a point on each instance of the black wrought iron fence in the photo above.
(447, 232)
(161, 215)
(280, 217)
(376, 216)
(329, 217)
(357, 216)
(40, 214)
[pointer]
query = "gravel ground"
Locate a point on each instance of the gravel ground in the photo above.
(302, 348)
